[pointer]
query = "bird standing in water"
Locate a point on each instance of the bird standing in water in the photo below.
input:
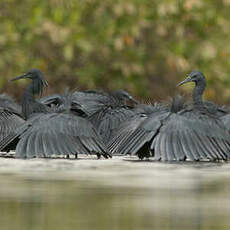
(50, 132)
(194, 132)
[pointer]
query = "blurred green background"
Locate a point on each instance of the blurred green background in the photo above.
(143, 46)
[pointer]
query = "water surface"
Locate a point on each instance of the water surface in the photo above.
(116, 194)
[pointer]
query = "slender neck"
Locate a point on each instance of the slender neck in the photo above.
(198, 92)
(29, 104)
(29, 95)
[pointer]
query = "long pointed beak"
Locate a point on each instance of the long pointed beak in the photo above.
(188, 79)
(19, 77)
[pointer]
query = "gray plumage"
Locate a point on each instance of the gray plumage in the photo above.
(7, 102)
(111, 113)
(58, 134)
(10, 119)
(194, 132)
(108, 119)
(131, 138)
(47, 132)
(106, 111)
(93, 101)
(29, 104)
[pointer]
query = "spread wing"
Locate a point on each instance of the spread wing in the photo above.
(226, 120)
(123, 134)
(51, 100)
(59, 134)
(91, 101)
(106, 120)
(9, 122)
(137, 132)
(193, 136)
(8, 103)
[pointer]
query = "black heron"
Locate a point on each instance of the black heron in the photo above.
(48, 131)
(92, 100)
(104, 110)
(10, 119)
(125, 132)
(112, 111)
(95, 100)
(193, 132)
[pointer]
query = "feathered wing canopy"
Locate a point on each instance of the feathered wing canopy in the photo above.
(137, 132)
(46, 133)
(226, 121)
(215, 110)
(10, 118)
(94, 101)
(64, 103)
(50, 134)
(9, 122)
(129, 138)
(91, 101)
(174, 136)
(123, 135)
(7, 102)
(191, 135)
(105, 111)
(178, 134)
(58, 100)
(59, 134)
(51, 100)
(106, 121)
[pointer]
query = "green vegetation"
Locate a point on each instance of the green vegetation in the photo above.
(144, 46)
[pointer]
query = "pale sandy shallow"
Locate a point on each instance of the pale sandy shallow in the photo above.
(118, 171)
(120, 193)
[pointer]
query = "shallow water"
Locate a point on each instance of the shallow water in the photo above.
(116, 194)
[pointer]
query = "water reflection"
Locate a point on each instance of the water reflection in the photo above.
(132, 196)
